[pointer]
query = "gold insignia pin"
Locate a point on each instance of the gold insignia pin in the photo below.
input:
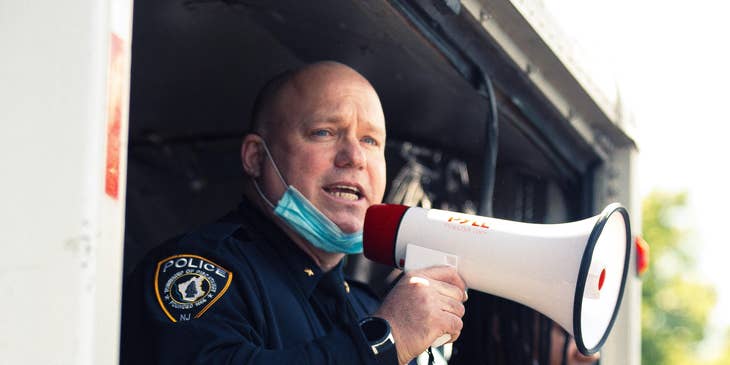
(309, 272)
(347, 286)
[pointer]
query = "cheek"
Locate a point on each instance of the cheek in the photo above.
(378, 178)
(271, 185)
(307, 170)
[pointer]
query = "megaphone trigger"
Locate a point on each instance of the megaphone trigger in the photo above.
(418, 257)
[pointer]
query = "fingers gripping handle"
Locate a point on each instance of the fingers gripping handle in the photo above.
(418, 257)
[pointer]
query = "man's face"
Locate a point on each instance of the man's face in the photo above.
(328, 142)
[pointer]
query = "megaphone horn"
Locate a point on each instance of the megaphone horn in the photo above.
(574, 273)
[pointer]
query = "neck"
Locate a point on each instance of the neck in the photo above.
(326, 261)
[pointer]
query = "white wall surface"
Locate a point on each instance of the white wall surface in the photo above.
(61, 235)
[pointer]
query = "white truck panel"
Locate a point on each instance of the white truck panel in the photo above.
(62, 234)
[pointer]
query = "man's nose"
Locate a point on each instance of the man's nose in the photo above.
(350, 153)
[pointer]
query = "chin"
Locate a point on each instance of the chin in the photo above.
(349, 226)
(349, 220)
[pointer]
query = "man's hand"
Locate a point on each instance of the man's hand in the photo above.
(424, 305)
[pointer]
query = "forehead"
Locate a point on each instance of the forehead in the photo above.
(330, 98)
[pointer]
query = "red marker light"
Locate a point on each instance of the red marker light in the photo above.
(642, 255)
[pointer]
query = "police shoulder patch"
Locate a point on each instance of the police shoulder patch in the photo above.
(187, 285)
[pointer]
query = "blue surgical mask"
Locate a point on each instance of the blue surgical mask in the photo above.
(302, 216)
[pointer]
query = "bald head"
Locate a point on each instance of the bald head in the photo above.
(282, 97)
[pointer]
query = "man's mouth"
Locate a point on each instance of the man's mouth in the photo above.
(346, 192)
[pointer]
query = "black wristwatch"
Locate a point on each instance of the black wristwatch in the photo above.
(379, 337)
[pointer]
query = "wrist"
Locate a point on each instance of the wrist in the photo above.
(401, 354)
(379, 337)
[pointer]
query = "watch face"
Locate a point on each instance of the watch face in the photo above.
(375, 329)
(378, 335)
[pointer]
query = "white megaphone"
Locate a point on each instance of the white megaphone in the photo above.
(574, 273)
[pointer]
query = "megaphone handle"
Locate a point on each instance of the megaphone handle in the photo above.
(418, 257)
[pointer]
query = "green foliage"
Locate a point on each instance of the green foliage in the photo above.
(675, 308)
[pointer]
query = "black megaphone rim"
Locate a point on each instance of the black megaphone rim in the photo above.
(583, 276)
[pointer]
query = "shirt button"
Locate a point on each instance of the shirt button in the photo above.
(309, 272)
(347, 286)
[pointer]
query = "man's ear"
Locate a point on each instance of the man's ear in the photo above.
(252, 155)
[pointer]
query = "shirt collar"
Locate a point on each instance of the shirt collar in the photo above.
(300, 267)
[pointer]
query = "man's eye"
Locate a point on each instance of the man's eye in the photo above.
(370, 140)
(321, 133)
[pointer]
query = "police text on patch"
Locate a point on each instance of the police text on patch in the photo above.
(193, 263)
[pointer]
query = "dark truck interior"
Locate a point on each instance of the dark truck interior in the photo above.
(467, 130)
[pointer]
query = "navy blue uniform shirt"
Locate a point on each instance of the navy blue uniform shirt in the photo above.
(239, 291)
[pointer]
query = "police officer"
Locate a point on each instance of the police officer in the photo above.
(264, 285)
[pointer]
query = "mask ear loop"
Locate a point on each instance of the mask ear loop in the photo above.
(261, 194)
(271, 158)
(278, 173)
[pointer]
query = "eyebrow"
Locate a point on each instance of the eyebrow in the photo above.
(377, 131)
(370, 127)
